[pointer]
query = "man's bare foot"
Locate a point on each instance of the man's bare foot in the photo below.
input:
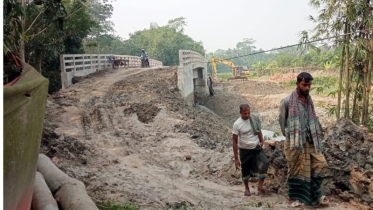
(247, 193)
(262, 191)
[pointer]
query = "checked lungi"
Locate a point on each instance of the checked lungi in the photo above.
(306, 172)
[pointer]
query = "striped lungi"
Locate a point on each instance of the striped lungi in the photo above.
(306, 171)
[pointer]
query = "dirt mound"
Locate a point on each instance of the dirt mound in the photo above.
(77, 79)
(127, 140)
(229, 112)
(264, 98)
(145, 112)
(126, 134)
(229, 95)
(349, 153)
(284, 77)
(252, 87)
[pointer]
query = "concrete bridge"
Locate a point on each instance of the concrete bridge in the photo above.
(192, 70)
(85, 64)
(192, 74)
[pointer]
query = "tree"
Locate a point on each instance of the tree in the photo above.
(178, 24)
(40, 30)
(350, 18)
(25, 20)
(161, 42)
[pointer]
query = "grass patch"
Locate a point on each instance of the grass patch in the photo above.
(260, 204)
(178, 206)
(229, 75)
(191, 172)
(109, 205)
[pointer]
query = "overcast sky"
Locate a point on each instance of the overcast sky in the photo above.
(220, 24)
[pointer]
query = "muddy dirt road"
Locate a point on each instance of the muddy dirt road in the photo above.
(126, 134)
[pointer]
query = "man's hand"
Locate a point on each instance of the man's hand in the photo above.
(261, 144)
(237, 164)
(261, 141)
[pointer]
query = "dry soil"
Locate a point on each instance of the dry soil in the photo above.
(129, 136)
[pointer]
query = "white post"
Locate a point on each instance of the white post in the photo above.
(74, 64)
(62, 63)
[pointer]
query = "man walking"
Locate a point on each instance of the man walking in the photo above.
(248, 139)
(306, 164)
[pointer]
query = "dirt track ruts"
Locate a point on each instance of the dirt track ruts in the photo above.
(125, 134)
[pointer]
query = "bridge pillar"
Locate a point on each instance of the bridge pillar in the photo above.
(192, 75)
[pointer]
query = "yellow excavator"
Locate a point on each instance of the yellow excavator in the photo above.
(238, 72)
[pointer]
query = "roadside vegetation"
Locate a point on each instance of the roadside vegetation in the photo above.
(39, 31)
(110, 205)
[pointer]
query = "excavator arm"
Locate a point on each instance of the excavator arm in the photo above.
(223, 61)
(237, 72)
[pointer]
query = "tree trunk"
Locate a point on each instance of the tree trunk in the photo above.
(347, 67)
(365, 73)
(22, 41)
(40, 61)
(367, 69)
(341, 78)
(355, 110)
(367, 86)
(355, 92)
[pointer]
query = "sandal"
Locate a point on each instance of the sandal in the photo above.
(323, 200)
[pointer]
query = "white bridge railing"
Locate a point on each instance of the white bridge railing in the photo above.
(84, 64)
(188, 57)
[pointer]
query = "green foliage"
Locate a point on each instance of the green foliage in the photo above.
(13, 10)
(229, 75)
(41, 30)
(161, 42)
(109, 205)
(351, 18)
(191, 172)
(100, 11)
(178, 206)
(43, 51)
(320, 85)
(332, 111)
(16, 15)
(105, 44)
(224, 75)
(287, 57)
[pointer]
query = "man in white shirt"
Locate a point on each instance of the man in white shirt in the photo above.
(248, 139)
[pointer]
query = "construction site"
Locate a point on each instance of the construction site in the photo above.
(131, 137)
(121, 105)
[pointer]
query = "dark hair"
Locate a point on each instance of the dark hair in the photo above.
(304, 76)
(244, 106)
